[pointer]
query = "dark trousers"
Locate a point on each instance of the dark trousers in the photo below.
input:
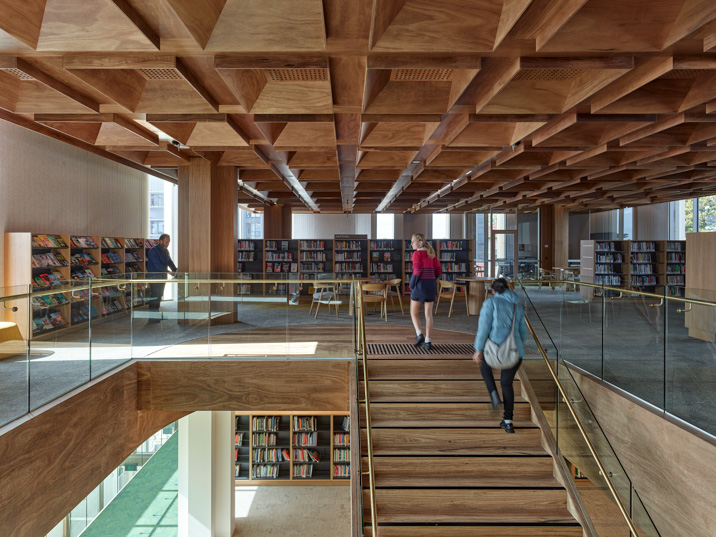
(506, 378)
(156, 290)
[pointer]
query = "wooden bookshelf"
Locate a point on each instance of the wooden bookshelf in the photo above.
(291, 449)
(281, 262)
(672, 270)
(350, 258)
(643, 265)
(386, 259)
(56, 263)
(250, 255)
(456, 257)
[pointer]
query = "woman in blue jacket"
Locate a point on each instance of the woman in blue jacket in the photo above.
(495, 323)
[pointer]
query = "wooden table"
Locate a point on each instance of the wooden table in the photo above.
(476, 292)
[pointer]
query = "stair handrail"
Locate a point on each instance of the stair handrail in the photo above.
(592, 450)
(358, 300)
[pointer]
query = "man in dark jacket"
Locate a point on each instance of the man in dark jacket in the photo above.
(158, 261)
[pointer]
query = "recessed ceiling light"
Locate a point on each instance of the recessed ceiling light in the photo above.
(416, 162)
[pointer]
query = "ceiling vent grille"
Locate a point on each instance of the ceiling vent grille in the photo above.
(686, 73)
(161, 74)
(421, 75)
(298, 75)
(18, 74)
(547, 74)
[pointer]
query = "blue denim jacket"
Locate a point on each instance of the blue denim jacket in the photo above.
(497, 328)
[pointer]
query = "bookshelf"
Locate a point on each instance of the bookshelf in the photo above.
(250, 256)
(385, 259)
(673, 267)
(54, 262)
(315, 257)
(407, 265)
(350, 258)
(642, 265)
(281, 260)
(291, 449)
(455, 257)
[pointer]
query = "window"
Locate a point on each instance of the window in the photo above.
(441, 226)
(156, 228)
(156, 199)
(251, 225)
(385, 227)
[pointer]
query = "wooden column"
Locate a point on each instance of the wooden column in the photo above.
(560, 252)
(278, 222)
(208, 213)
(208, 199)
(546, 237)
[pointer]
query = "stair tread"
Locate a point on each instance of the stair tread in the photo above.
(517, 472)
(419, 414)
(483, 506)
(424, 369)
(477, 531)
(430, 391)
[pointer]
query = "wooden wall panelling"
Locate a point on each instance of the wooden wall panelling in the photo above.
(245, 385)
(673, 469)
(43, 484)
(700, 260)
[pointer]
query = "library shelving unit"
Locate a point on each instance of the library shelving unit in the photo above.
(407, 265)
(349, 256)
(242, 430)
(250, 255)
(455, 257)
(673, 267)
(341, 454)
(642, 263)
(281, 262)
(291, 449)
(56, 263)
(112, 265)
(385, 259)
(604, 263)
(135, 262)
(85, 256)
(315, 257)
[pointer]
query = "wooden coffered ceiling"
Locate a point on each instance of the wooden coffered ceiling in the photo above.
(381, 105)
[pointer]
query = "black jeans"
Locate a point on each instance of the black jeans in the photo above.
(156, 290)
(506, 378)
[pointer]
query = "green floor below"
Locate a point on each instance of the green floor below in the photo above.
(148, 504)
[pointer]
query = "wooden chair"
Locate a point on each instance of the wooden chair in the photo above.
(448, 290)
(389, 286)
(376, 293)
(324, 293)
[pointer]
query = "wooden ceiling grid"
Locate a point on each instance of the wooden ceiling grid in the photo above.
(391, 105)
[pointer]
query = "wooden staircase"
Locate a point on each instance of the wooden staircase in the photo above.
(443, 467)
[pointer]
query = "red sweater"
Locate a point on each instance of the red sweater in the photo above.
(425, 266)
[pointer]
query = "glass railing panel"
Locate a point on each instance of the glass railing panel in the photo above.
(111, 337)
(690, 349)
(15, 333)
(60, 356)
(582, 326)
(634, 344)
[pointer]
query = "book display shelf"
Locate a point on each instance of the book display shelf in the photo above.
(56, 262)
(407, 265)
(642, 263)
(281, 263)
(291, 449)
(385, 259)
(250, 257)
(350, 258)
(315, 257)
(455, 257)
(673, 268)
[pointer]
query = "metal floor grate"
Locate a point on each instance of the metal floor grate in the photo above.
(406, 348)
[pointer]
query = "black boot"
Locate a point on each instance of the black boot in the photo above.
(419, 340)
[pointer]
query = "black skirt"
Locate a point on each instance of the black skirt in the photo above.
(424, 291)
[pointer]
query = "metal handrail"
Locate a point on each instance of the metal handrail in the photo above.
(369, 437)
(592, 450)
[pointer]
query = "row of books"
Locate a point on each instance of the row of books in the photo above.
(50, 279)
(610, 258)
(676, 269)
(675, 246)
(381, 267)
(49, 301)
(281, 267)
(675, 258)
(312, 245)
(48, 322)
(641, 246)
(342, 470)
(239, 439)
(451, 245)
(48, 260)
(312, 256)
(375, 256)
(83, 313)
(48, 241)
(268, 455)
(133, 257)
(109, 242)
(82, 258)
(455, 267)
(382, 245)
(263, 439)
(305, 439)
(640, 281)
(112, 257)
(247, 245)
(306, 455)
(642, 269)
(284, 256)
(341, 455)
(642, 258)
(675, 280)
(82, 274)
(349, 267)
(268, 423)
(82, 242)
(348, 245)
(247, 256)
(304, 423)
(110, 271)
(448, 256)
(277, 245)
(303, 471)
(353, 256)
(341, 439)
(138, 243)
(315, 268)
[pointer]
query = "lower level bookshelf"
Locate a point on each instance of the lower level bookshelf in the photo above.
(283, 449)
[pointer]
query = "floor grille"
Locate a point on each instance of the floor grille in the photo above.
(406, 348)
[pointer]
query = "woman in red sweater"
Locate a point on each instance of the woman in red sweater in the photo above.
(426, 271)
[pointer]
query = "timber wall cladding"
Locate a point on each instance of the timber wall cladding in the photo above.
(673, 470)
(245, 385)
(54, 460)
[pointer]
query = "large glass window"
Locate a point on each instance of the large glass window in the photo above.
(441, 226)
(385, 227)
(251, 225)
